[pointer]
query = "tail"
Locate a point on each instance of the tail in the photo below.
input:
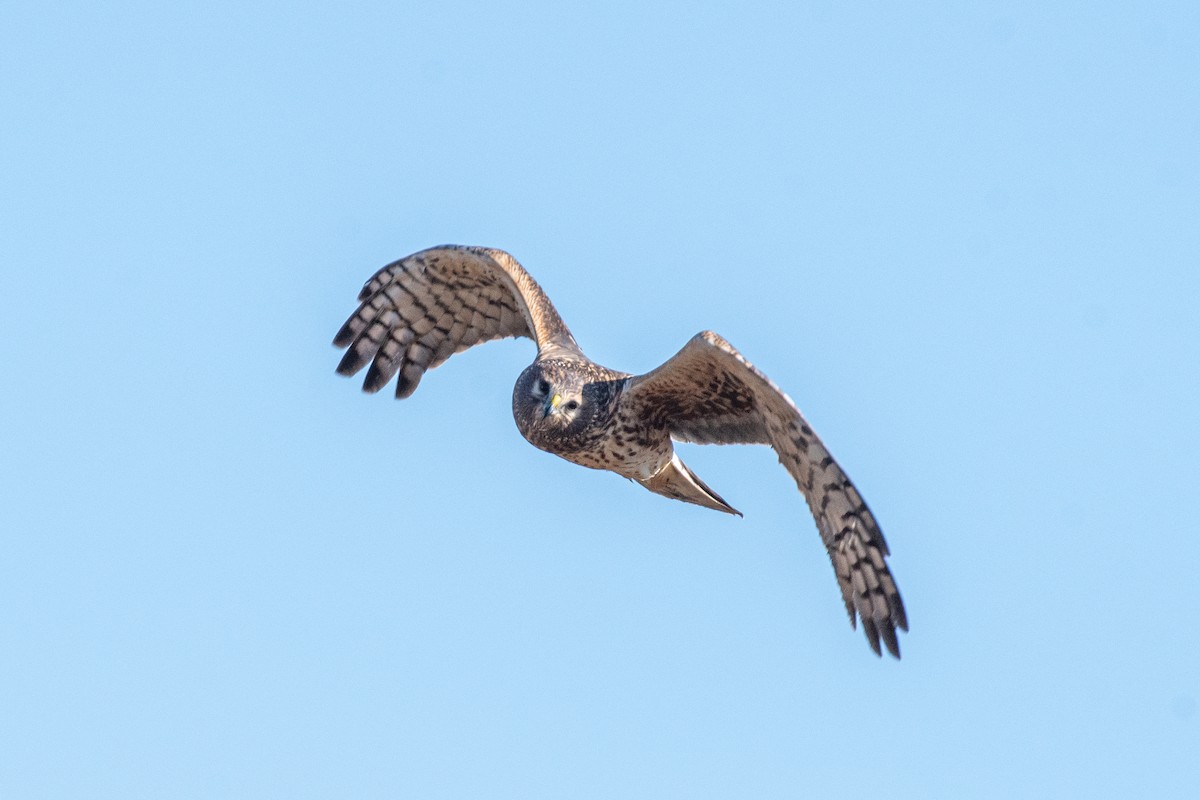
(678, 482)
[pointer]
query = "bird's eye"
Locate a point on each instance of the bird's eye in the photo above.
(572, 405)
(543, 387)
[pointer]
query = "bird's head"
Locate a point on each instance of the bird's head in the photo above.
(548, 394)
(555, 404)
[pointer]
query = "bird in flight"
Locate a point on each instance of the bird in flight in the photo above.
(418, 311)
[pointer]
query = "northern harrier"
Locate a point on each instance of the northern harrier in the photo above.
(418, 311)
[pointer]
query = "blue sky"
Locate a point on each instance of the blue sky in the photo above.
(964, 239)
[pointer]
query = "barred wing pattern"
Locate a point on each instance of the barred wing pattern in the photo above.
(417, 312)
(710, 394)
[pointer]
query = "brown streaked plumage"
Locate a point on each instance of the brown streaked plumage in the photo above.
(418, 311)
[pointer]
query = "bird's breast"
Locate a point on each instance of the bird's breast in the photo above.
(629, 448)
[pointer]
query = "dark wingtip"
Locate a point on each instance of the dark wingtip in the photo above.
(349, 364)
(872, 633)
(344, 336)
(407, 381)
(899, 615)
(375, 380)
(889, 639)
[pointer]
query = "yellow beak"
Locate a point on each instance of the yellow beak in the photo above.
(556, 401)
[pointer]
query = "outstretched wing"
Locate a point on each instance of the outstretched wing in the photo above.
(710, 394)
(418, 311)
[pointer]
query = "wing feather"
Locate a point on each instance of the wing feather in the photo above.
(710, 394)
(416, 312)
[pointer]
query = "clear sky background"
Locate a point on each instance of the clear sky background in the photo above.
(964, 237)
